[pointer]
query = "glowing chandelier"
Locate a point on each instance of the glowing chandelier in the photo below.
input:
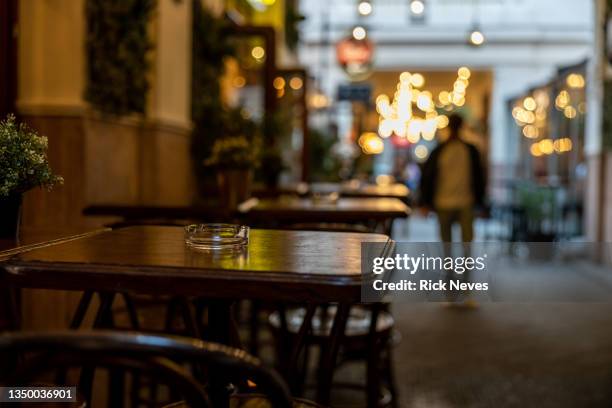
(400, 118)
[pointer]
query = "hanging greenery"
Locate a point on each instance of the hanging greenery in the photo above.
(292, 20)
(210, 46)
(607, 116)
(117, 44)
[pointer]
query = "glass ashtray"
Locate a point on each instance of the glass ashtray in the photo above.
(217, 236)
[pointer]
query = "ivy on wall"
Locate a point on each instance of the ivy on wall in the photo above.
(117, 43)
(607, 115)
(210, 46)
(607, 94)
(292, 20)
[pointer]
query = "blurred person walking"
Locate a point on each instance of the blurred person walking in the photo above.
(453, 183)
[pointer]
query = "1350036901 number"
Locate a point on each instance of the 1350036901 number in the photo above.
(37, 394)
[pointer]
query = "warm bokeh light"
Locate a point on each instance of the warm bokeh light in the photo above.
(442, 121)
(318, 101)
(385, 128)
(364, 8)
(398, 117)
(459, 101)
(531, 132)
(278, 83)
(296, 83)
(258, 52)
(417, 80)
(575, 81)
(239, 82)
(421, 152)
(455, 97)
(459, 87)
(370, 143)
(444, 98)
(417, 7)
(464, 73)
(562, 100)
(414, 130)
(546, 146)
(529, 103)
(477, 38)
(569, 112)
(424, 102)
(428, 128)
(359, 33)
(535, 150)
(261, 5)
(563, 145)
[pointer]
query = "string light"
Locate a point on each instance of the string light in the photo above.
(569, 112)
(531, 132)
(417, 7)
(296, 83)
(575, 81)
(563, 145)
(548, 146)
(562, 100)
(278, 83)
(477, 38)
(359, 33)
(421, 152)
(417, 80)
(456, 97)
(239, 82)
(398, 117)
(364, 8)
(258, 52)
(464, 73)
(529, 103)
(370, 143)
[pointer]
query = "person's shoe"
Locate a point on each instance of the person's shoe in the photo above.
(470, 303)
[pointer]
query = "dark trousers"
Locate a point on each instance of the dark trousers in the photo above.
(448, 217)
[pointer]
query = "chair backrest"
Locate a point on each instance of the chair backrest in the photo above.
(160, 357)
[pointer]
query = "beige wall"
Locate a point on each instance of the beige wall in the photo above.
(127, 161)
(51, 56)
(104, 161)
(171, 83)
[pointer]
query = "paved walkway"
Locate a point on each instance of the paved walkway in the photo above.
(501, 354)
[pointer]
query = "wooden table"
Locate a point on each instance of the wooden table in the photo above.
(278, 212)
(34, 237)
(346, 189)
(285, 266)
(29, 238)
(364, 190)
(376, 211)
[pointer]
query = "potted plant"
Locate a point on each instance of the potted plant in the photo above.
(23, 155)
(234, 158)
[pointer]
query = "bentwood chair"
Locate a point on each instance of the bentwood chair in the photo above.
(369, 337)
(224, 372)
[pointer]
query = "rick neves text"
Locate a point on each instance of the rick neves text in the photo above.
(429, 285)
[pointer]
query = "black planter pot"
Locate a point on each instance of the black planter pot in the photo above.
(10, 214)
